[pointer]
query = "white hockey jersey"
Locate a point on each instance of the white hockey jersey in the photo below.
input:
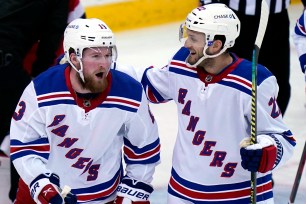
(213, 117)
(53, 130)
(299, 39)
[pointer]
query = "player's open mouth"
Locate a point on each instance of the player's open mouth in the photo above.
(99, 75)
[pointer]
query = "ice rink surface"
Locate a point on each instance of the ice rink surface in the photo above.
(155, 46)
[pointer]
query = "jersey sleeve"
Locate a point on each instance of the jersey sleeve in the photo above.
(149, 76)
(160, 83)
(299, 39)
(270, 122)
(29, 144)
(142, 144)
(161, 79)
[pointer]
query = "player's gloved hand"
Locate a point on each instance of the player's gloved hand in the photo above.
(260, 156)
(302, 59)
(45, 189)
(70, 199)
(131, 191)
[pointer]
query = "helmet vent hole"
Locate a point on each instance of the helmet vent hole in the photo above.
(91, 39)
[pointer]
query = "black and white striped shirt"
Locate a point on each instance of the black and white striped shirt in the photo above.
(252, 7)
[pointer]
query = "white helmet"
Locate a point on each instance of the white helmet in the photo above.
(213, 19)
(86, 33)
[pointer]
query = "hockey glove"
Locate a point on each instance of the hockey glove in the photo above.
(70, 198)
(260, 156)
(302, 59)
(131, 191)
(45, 189)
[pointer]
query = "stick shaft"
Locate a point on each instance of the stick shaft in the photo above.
(65, 191)
(298, 176)
(259, 38)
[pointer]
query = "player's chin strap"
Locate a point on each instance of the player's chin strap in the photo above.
(80, 71)
(206, 56)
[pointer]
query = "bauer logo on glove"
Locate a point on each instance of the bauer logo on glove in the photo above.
(132, 191)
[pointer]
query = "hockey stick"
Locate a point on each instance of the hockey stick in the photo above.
(65, 191)
(298, 176)
(264, 15)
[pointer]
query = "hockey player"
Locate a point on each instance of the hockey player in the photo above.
(72, 122)
(35, 60)
(212, 90)
(299, 39)
(277, 30)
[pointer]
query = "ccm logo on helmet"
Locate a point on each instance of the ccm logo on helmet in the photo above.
(224, 16)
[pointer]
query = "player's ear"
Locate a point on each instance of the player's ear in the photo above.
(217, 44)
(73, 59)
